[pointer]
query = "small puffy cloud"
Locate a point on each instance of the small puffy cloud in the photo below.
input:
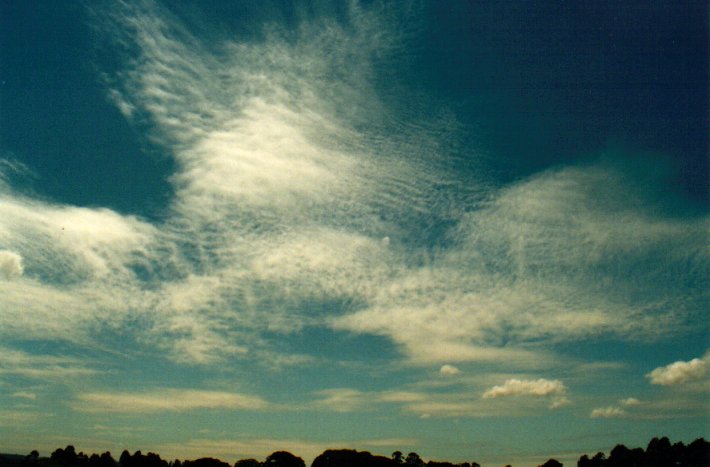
(560, 402)
(449, 370)
(630, 402)
(10, 265)
(679, 372)
(166, 400)
(515, 387)
(608, 412)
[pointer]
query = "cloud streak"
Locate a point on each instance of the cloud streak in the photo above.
(166, 400)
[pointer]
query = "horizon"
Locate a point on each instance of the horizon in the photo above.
(660, 448)
(472, 230)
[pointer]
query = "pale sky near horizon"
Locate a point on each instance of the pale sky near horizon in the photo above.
(473, 230)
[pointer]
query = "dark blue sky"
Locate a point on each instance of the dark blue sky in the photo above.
(569, 80)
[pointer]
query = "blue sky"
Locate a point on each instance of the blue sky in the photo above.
(474, 230)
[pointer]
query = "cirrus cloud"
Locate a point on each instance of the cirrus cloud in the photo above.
(10, 265)
(608, 412)
(166, 400)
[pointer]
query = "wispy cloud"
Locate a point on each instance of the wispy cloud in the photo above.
(462, 403)
(14, 418)
(546, 258)
(165, 400)
(25, 395)
(10, 265)
(449, 370)
(15, 362)
(630, 402)
(342, 399)
(293, 190)
(608, 412)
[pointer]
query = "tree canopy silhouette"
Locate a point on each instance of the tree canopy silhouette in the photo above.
(283, 459)
(659, 452)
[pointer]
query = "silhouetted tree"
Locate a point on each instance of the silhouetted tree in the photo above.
(659, 452)
(65, 457)
(31, 459)
(106, 460)
(205, 462)
(439, 464)
(283, 459)
(697, 453)
(413, 460)
(125, 459)
(247, 463)
(622, 456)
(351, 458)
(552, 463)
(398, 457)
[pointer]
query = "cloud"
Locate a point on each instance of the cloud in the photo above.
(608, 412)
(343, 399)
(165, 400)
(10, 265)
(40, 366)
(559, 402)
(15, 418)
(449, 404)
(680, 372)
(25, 395)
(517, 387)
(449, 370)
(630, 402)
(552, 258)
(299, 202)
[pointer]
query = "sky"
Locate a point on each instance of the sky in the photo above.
(475, 230)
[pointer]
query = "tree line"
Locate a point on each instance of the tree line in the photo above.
(659, 453)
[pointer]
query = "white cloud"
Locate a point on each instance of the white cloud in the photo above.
(10, 265)
(25, 395)
(680, 372)
(343, 399)
(449, 370)
(283, 203)
(548, 258)
(608, 412)
(40, 366)
(559, 402)
(449, 404)
(630, 402)
(517, 387)
(166, 400)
